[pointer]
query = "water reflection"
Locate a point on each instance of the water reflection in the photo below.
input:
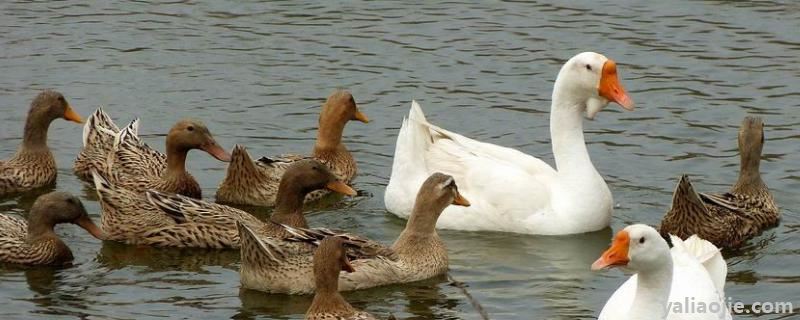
(114, 256)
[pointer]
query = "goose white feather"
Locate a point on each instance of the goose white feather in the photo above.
(510, 190)
(692, 271)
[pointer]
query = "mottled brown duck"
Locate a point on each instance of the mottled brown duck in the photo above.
(98, 141)
(35, 242)
(256, 182)
(727, 219)
(328, 304)
(133, 165)
(170, 220)
(33, 165)
(276, 265)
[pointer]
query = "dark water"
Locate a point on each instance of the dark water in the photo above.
(256, 73)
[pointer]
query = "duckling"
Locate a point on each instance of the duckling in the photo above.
(256, 183)
(328, 304)
(35, 242)
(276, 265)
(33, 165)
(728, 219)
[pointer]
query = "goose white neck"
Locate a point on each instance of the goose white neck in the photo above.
(652, 292)
(566, 132)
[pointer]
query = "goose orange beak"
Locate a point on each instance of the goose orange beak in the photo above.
(71, 115)
(340, 187)
(459, 200)
(616, 255)
(360, 116)
(611, 89)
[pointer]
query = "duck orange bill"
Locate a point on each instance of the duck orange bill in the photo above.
(217, 152)
(459, 200)
(340, 187)
(86, 223)
(360, 116)
(71, 115)
(346, 266)
(611, 89)
(615, 256)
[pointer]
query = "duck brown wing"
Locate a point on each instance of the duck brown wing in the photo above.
(13, 227)
(357, 247)
(725, 200)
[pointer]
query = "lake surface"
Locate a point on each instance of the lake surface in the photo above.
(257, 73)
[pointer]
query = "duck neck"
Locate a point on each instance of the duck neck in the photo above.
(652, 292)
(289, 205)
(329, 300)
(329, 140)
(566, 133)
(420, 229)
(35, 135)
(39, 226)
(176, 161)
(749, 181)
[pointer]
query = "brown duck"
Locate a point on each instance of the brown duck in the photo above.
(133, 165)
(728, 219)
(98, 140)
(169, 220)
(256, 183)
(35, 242)
(33, 165)
(328, 304)
(276, 265)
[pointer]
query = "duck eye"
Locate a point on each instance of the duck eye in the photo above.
(641, 240)
(589, 67)
(190, 128)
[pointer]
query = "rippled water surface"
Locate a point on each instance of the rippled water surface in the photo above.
(256, 73)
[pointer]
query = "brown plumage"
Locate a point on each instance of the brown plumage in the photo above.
(728, 219)
(35, 242)
(276, 265)
(330, 258)
(33, 165)
(98, 141)
(169, 220)
(137, 167)
(256, 182)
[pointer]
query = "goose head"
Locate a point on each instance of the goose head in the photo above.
(590, 80)
(190, 134)
(637, 247)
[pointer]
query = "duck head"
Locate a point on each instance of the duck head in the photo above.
(341, 107)
(590, 79)
(61, 207)
(190, 134)
(637, 247)
(50, 105)
(309, 175)
(436, 193)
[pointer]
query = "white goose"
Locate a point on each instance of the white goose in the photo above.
(513, 191)
(666, 279)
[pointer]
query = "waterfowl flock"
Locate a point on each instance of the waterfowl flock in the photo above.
(439, 179)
